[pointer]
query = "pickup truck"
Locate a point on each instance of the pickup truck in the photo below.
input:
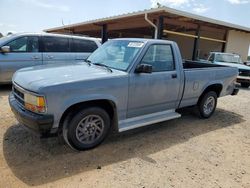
(123, 85)
(232, 60)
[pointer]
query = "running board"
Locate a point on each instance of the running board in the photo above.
(148, 119)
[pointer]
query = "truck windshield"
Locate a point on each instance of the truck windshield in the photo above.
(228, 58)
(116, 54)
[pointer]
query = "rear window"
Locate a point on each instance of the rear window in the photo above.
(80, 45)
(56, 44)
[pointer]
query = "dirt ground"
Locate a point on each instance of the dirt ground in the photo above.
(186, 152)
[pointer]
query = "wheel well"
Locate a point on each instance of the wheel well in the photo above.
(217, 88)
(107, 105)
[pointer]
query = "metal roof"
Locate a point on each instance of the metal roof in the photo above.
(157, 10)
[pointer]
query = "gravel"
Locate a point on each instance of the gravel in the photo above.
(186, 152)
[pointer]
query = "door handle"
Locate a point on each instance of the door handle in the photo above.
(174, 76)
(35, 57)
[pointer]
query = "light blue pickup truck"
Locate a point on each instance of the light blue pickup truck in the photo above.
(232, 60)
(124, 84)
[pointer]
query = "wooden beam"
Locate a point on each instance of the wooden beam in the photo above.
(196, 43)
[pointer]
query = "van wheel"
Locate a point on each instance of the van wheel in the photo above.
(245, 85)
(207, 104)
(88, 128)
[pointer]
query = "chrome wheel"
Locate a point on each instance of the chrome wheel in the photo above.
(90, 129)
(209, 105)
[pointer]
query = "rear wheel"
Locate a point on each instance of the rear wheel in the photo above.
(245, 85)
(207, 104)
(88, 128)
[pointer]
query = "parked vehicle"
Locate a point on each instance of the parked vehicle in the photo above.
(124, 84)
(247, 63)
(30, 49)
(232, 60)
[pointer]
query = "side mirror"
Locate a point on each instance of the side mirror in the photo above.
(144, 68)
(5, 49)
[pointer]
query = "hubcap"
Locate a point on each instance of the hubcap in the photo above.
(89, 129)
(209, 105)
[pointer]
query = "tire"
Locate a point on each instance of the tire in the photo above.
(245, 85)
(88, 128)
(205, 111)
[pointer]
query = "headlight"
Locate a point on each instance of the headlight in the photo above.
(34, 103)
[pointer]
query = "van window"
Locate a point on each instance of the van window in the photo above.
(55, 44)
(24, 44)
(80, 45)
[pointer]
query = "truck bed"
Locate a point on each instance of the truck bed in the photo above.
(199, 75)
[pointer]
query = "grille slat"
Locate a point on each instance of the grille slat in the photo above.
(19, 95)
(244, 72)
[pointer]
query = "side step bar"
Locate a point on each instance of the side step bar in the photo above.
(140, 121)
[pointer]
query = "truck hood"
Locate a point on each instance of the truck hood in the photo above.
(239, 66)
(34, 78)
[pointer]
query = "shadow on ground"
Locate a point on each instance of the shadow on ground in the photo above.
(5, 90)
(36, 162)
(243, 88)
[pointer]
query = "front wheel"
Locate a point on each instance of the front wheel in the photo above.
(88, 128)
(207, 104)
(245, 85)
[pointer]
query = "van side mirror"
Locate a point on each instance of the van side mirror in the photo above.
(5, 49)
(144, 68)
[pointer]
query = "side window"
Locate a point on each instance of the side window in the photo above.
(160, 57)
(55, 44)
(33, 44)
(24, 44)
(80, 45)
(211, 58)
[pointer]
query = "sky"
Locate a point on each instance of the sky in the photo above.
(37, 15)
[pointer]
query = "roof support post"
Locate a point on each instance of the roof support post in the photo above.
(104, 33)
(224, 43)
(196, 43)
(160, 27)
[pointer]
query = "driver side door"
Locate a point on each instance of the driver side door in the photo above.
(157, 91)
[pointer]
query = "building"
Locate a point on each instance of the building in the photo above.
(195, 35)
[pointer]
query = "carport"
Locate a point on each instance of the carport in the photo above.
(195, 35)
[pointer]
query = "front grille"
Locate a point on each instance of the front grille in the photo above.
(244, 72)
(18, 94)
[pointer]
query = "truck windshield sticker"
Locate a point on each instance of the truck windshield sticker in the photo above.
(135, 44)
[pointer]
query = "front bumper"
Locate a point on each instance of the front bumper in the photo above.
(243, 79)
(39, 123)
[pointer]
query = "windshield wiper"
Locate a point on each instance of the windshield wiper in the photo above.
(103, 65)
(87, 61)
